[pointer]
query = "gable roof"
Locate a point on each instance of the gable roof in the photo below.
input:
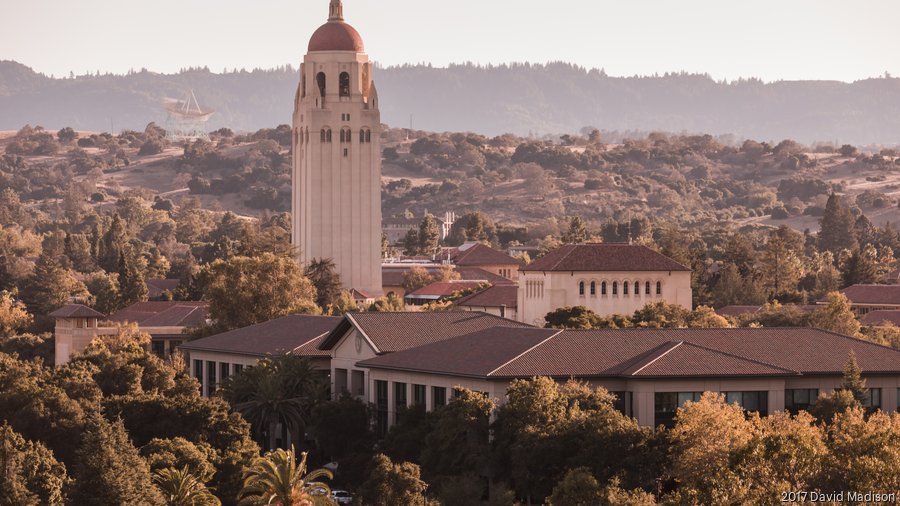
(604, 257)
(441, 289)
(479, 274)
(163, 314)
(475, 354)
(76, 311)
(157, 287)
(392, 332)
(297, 334)
(648, 353)
(873, 294)
(475, 254)
(880, 317)
(494, 296)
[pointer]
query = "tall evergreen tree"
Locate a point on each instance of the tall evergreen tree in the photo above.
(50, 286)
(132, 286)
(861, 266)
(112, 245)
(411, 242)
(429, 236)
(29, 474)
(577, 232)
(853, 381)
(837, 226)
(322, 272)
(109, 468)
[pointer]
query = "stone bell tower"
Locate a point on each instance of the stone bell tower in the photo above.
(336, 183)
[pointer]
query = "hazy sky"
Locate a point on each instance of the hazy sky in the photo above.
(770, 39)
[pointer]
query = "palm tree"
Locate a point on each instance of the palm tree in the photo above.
(279, 390)
(278, 480)
(181, 488)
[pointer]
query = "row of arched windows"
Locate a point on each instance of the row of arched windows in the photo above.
(321, 80)
(613, 288)
(325, 135)
(365, 135)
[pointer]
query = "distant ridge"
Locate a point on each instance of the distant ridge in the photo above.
(520, 98)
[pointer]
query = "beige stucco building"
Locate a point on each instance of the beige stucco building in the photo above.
(606, 278)
(336, 192)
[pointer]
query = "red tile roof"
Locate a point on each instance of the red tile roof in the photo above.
(336, 36)
(470, 255)
(736, 310)
(645, 353)
(298, 334)
(76, 311)
(157, 287)
(888, 295)
(444, 289)
(478, 274)
(392, 275)
(391, 332)
(881, 317)
(604, 257)
(163, 314)
(494, 296)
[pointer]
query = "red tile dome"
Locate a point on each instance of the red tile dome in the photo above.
(336, 36)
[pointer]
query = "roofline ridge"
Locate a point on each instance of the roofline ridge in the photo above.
(648, 364)
(857, 339)
(529, 350)
(363, 332)
(742, 358)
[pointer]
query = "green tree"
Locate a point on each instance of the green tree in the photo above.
(861, 267)
(835, 316)
(391, 484)
(392, 303)
(278, 390)
(30, 474)
(579, 488)
(278, 479)
(180, 488)
(244, 291)
(105, 290)
(343, 304)
(429, 236)
(837, 227)
(343, 432)
(853, 381)
(411, 242)
(415, 278)
(827, 406)
(14, 315)
(474, 226)
(577, 232)
(110, 470)
(112, 245)
(573, 317)
(323, 274)
(781, 266)
(132, 286)
(662, 315)
(50, 287)
(863, 452)
(180, 453)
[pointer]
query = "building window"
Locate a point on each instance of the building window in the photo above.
(198, 372)
(158, 348)
(438, 397)
(658, 288)
(362, 136)
(79, 323)
(381, 407)
(603, 288)
(593, 288)
(368, 136)
(637, 288)
(647, 288)
(620, 403)
(238, 368)
(796, 400)
(342, 136)
(344, 84)
(750, 401)
(210, 378)
(399, 396)
(346, 152)
(320, 80)
(224, 371)
(581, 288)
(615, 288)
(419, 395)
(625, 288)
(872, 401)
(666, 404)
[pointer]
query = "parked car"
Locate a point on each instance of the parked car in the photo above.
(341, 497)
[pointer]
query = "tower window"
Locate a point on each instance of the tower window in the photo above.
(328, 135)
(303, 87)
(368, 136)
(658, 288)
(637, 288)
(581, 288)
(346, 151)
(615, 288)
(320, 80)
(647, 288)
(323, 139)
(342, 136)
(603, 288)
(625, 288)
(344, 83)
(362, 136)
(593, 288)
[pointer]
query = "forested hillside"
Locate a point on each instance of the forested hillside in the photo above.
(521, 99)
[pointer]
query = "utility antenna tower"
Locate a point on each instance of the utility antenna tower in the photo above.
(186, 120)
